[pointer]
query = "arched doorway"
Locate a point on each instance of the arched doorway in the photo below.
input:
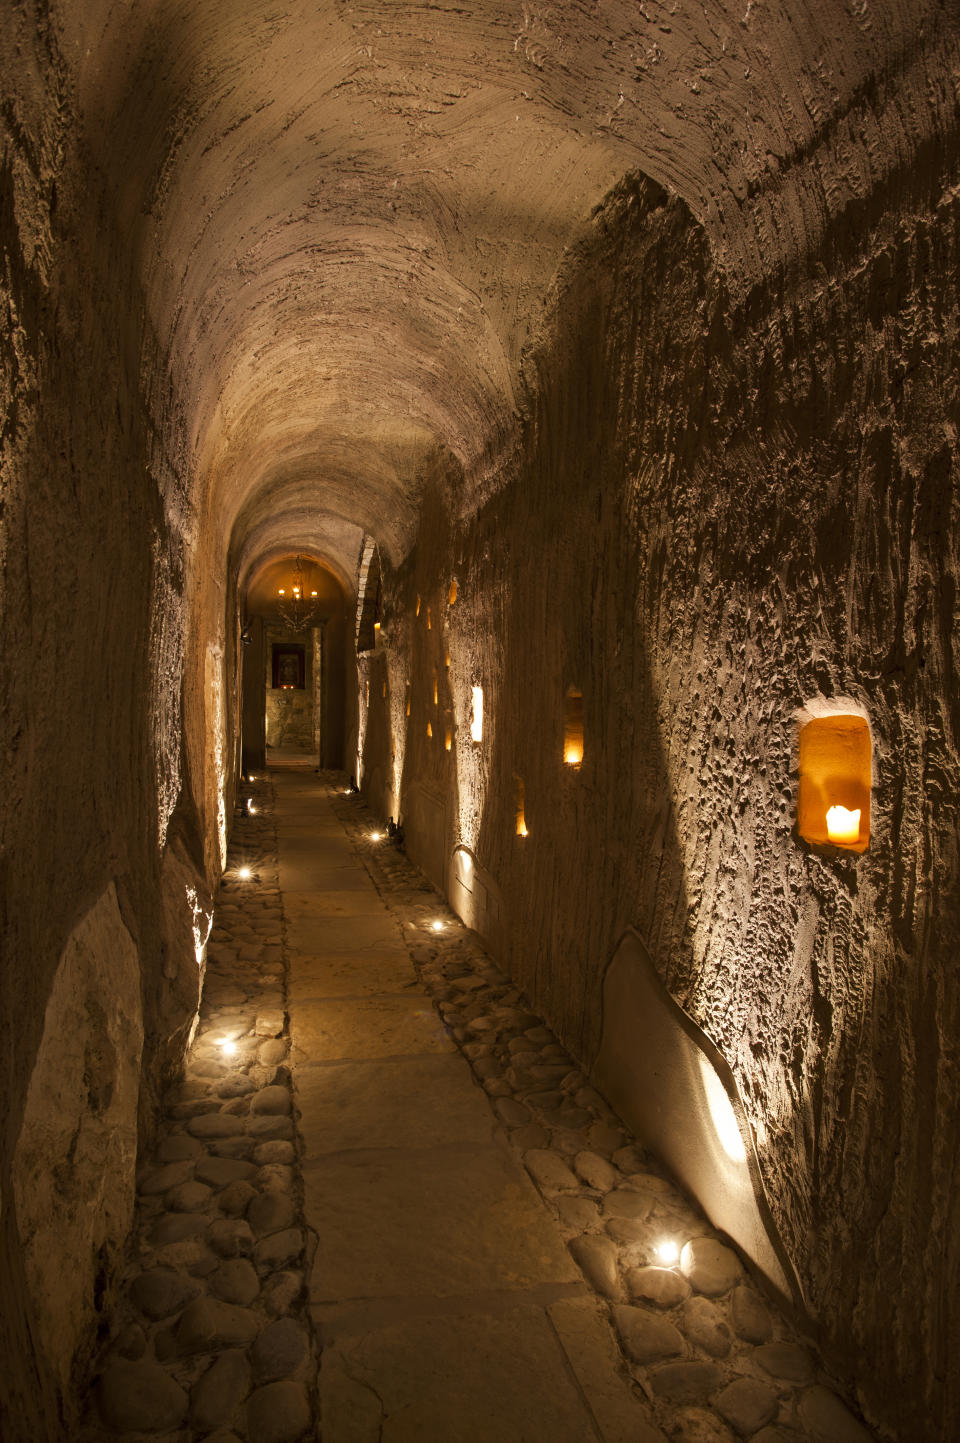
(293, 664)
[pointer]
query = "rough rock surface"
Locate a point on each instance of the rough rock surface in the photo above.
(637, 322)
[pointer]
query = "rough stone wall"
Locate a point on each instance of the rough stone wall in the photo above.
(720, 512)
(92, 765)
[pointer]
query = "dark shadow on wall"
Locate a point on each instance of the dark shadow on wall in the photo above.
(720, 513)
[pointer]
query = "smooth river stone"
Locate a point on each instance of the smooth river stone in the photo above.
(140, 1397)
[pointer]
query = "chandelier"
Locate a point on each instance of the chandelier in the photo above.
(297, 606)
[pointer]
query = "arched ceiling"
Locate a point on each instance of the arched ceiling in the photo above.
(323, 587)
(346, 216)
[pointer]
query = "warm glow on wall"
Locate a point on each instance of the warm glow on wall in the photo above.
(409, 692)
(436, 689)
(722, 1114)
(448, 738)
(418, 606)
(453, 592)
(429, 729)
(573, 728)
(476, 720)
(519, 807)
(833, 805)
(429, 620)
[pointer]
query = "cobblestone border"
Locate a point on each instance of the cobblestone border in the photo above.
(212, 1339)
(714, 1361)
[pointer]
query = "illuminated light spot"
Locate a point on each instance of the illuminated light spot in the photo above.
(668, 1252)
(722, 1114)
(375, 836)
(573, 728)
(843, 825)
(281, 592)
(418, 606)
(429, 620)
(436, 689)
(409, 697)
(244, 873)
(313, 593)
(227, 1047)
(452, 595)
(476, 720)
(519, 804)
(251, 809)
(448, 661)
(429, 729)
(448, 739)
(436, 926)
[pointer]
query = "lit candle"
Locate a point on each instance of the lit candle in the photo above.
(573, 753)
(843, 826)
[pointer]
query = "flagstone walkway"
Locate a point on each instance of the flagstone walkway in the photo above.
(402, 1215)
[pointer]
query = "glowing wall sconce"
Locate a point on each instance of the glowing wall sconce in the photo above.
(833, 805)
(519, 807)
(476, 719)
(573, 728)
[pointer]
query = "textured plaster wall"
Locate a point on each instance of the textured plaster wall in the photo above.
(720, 511)
(96, 801)
(75, 1158)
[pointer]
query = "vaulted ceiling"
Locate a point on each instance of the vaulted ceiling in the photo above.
(346, 216)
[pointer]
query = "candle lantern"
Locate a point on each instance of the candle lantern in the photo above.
(573, 727)
(833, 806)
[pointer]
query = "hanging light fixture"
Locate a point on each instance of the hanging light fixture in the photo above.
(297, 605)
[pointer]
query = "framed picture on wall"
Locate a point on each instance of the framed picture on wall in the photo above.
(289, 667)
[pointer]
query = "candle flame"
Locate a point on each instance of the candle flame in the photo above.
(842, 825)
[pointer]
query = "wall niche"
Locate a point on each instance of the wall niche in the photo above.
(573, 727)
(833, 803)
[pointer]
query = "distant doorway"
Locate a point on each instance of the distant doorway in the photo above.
(294, 694)
(293, 665)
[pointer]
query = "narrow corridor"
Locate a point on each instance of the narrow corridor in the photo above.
(448, 1306)
(377, 1136)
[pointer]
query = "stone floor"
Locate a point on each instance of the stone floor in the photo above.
(398, 1213)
